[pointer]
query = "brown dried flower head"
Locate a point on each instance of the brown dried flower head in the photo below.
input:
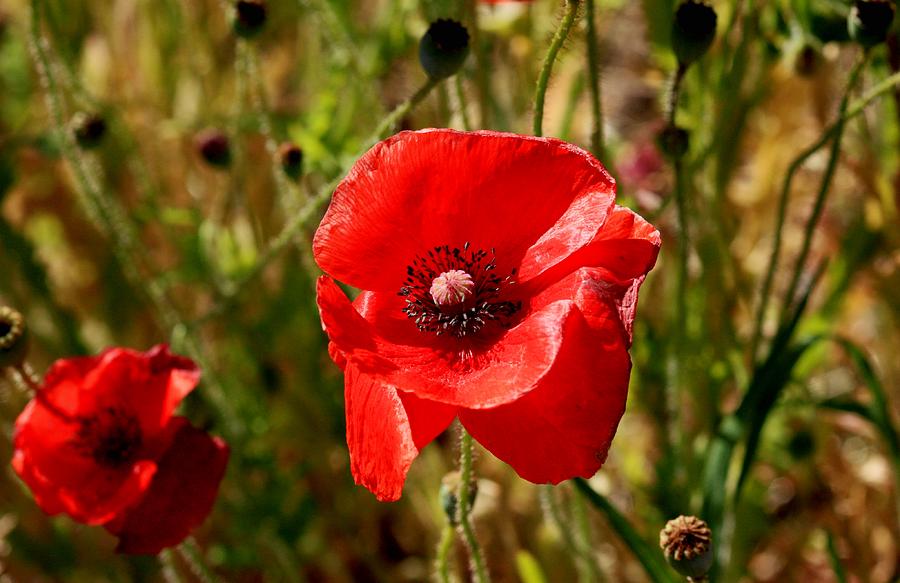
(687, 544)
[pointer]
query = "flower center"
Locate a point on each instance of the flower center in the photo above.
(452, 287)
(456, 291)
(112, 437)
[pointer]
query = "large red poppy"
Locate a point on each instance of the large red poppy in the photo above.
(99, 443)
(499, 284)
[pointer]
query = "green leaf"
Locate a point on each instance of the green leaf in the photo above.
(528, 568)
(650, 558)
(839, 573)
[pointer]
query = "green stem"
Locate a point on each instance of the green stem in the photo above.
(286, 193)
(387, 124)
(482, 79)
(583, 537)
(597, 142)
(169, 571)
(544, 79)
(442, 564)
(476, 558)
(821, 197)
(833, 131)
(461, 99)
(674, 94)
(191, 554)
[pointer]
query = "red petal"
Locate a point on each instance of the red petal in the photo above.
(448, 370)
(64, 480)
(563, 428)
(180, 496)
(626, 247)
(533, 200)
(386, 431)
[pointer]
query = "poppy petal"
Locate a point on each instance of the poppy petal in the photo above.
(180, 496)
(443, 187)
(446, 370)
(47, 459)
(386, 431)
(626, 247)
(563, 428)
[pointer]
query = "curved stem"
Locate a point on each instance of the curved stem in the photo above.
(476, 558)
(442, 565)
(191, 554)
(833, 131)
(597, 142)
(822, 195)
(169, 571)
(543, 80)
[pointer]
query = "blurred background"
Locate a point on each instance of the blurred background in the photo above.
(127, 235)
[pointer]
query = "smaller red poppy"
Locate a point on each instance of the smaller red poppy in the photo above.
(99, 443)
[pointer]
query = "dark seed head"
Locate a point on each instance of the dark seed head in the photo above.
(13, 338)
(870, 21)
(88, 129)
(249, 17)
(693, 30)
(443, 48)
(290, 155)
(214, 147)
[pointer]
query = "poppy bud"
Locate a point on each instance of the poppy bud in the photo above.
(249, 17)
(870, 21)
(807, 60)
(450, 495)
(693, 31)
(290, 155)
(88, 129)
(13, 338)
(213, 146)
(674, 142)
(687, 544)
(443, 48)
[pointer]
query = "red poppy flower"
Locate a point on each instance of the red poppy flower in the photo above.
(499, 286)
(99, 443)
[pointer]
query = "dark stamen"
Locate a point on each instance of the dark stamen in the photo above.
(112, 437)
(467, 318)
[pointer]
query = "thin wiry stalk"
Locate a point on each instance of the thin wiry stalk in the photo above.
(540, 94)
(476, 557)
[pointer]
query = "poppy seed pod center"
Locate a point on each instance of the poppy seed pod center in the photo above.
(452, 287)
(456, 291)
(113, 437)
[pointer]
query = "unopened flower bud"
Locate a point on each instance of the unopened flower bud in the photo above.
(449, 493)
(213, 146)
(290, 156)
(807, 60)
(249, 17)
(88, 129)
(693, 31)
(674, 142)
(687, 543)
(443, 48)
(870, 21)
(13, 338)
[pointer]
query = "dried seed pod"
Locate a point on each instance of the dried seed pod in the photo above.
(13, 338)
(687, 543)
